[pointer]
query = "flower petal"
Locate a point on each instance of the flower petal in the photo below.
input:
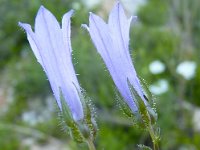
(32, 40)
(119, 27)
(66, 28)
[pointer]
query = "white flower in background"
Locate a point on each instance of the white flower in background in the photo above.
(31, 118)
(76, 5)
(132, 6)
(187, 69)
(196, 119)
(160, 87)
(156, 67)
(91, 3)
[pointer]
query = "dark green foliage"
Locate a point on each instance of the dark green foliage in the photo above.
(193, 89)
(6, 139)
(154, 14)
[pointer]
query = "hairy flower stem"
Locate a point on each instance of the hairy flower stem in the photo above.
(90, 144)
(155, 140)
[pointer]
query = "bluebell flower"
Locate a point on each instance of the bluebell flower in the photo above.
(112, 43)
(52, 47)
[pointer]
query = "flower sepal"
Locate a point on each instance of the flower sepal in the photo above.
(146, 115)
(124, 106)
(89, 115)
(69, 123)
(79, 130)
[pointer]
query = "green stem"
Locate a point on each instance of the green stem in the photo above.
(154, 138)
(91, 144)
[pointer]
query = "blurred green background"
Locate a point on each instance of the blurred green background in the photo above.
(165, 47)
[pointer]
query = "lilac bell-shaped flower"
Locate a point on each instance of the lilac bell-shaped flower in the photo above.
(112, 43)
(52, 47)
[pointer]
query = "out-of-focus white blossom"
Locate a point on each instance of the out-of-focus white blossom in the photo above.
(132, 6)
(160, 87)
(187, 69)
(196, 119)
(156, 67)
(76, 5)
(91, 3)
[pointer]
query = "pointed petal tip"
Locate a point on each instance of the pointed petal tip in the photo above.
(20, 24)
(71, 11)
(117, 10)
(85, 26)
(91, 15)
(68, 14)
(133, 19)
(24, 26)
(42, 9)
(118, 4)
(66, 18)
